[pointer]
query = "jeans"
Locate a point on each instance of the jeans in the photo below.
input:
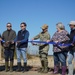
(71, 55)
(19, 52)
(9, 54)
(60, 57)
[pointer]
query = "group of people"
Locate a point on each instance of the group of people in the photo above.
(9, 39)
(59, 52)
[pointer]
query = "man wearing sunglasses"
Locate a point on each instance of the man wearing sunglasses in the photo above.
(43, 48)
(22, 43)
(8, 36)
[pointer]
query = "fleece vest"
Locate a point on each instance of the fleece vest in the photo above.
(21, 36)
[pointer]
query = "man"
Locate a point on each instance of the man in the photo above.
(43, 48)
(72, 48)
(0, 35)
(22, 44)
(0, 38)
(8, 36)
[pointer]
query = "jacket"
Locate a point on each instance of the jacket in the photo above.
(61, 37)
(72, 35)
(43, 37)
(9, 36)
(23, 38)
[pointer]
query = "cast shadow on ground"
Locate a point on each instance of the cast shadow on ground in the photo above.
(31, 68)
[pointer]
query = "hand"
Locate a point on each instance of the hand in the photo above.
(72, 44)
(56, 42)
(18, 42)
(32, 39)
(0, 39)
(33, 42)
(62, 44)
(7, 42)
(12, 42)
(48, 41)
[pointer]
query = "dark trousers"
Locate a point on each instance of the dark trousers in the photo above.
(9, 54)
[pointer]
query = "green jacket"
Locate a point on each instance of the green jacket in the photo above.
(9, 36)
(43, 37)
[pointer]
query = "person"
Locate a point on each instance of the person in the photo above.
(60, 53)
(72, 48)
(43, 48)
(22, 44)
(0, 38)
(8, 36)
(0, 35)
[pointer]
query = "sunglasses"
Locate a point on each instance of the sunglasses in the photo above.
(71, 25)
(21, 26)
(8, 26)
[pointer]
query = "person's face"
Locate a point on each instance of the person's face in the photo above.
(72, 26)
(44, 30)
(9, 26)
(58, 29)
(23, 26)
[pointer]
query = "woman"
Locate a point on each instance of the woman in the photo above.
(60, 54)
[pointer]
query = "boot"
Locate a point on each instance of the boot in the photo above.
(25, 67)
(56, 69)
(63, 70)
(19, 67)
(70, 69)
(41, 69)
(6, 66)
(45, 67)
(11, 66)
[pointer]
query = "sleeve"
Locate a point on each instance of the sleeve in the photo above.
(15, 38)
(14, 35)
(65, 37)
(48, 36)
(53, 37)
(3, 36)
(0, 35)
(37, 37)
(2, 39)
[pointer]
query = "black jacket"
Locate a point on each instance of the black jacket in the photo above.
(23, 37)
(72, 35)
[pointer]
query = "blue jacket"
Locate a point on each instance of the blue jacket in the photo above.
(23, 37)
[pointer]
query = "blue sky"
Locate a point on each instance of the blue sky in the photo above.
(36, 13)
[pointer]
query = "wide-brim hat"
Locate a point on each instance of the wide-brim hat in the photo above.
(72, 23)
(45, 26)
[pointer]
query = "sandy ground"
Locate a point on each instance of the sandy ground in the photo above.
(33, 65)
(26, 73)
